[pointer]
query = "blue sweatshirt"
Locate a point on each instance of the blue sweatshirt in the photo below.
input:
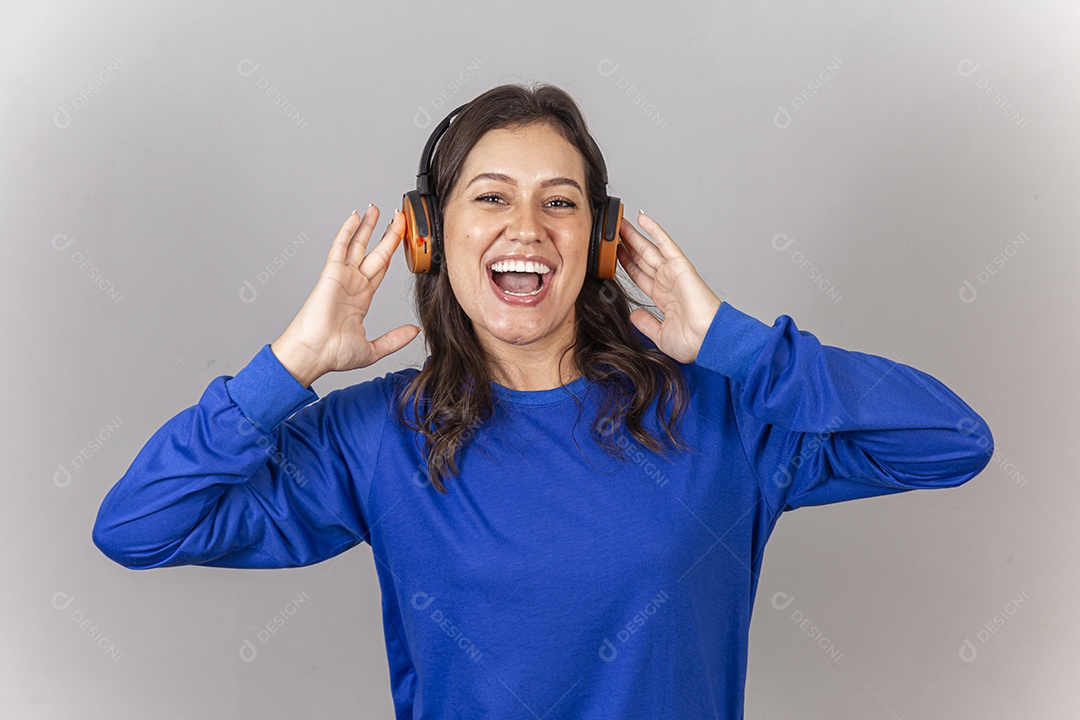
(553, 580)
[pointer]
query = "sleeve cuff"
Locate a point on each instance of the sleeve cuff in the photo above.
(266, 392)
(733, 342)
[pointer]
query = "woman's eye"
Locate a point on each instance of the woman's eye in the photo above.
(566, 203)
(489, 196)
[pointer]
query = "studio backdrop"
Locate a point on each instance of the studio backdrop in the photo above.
(900, 178)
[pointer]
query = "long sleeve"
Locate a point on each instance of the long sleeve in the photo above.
(252, 476)
(820, 424)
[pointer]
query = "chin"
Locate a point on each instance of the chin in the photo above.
(515, 334)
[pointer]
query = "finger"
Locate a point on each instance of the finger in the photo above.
(642, 277)
(377, 262)
(663, 241)
(358, 243)
(340, 244)
(644, 252)
(392, 341)
(638, 257)
(647, 323)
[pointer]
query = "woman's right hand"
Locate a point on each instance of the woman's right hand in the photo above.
(328, 333)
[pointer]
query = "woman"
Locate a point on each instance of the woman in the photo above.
(568, 504)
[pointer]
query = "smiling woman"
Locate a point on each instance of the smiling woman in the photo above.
(520, 180)
(568, 504)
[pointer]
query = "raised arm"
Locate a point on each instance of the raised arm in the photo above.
(234, 480)
(819, 424)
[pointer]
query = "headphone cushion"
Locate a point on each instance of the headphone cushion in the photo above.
(604, 214)
(416, 241)
(606, 239)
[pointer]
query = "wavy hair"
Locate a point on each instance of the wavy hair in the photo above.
(451, 396)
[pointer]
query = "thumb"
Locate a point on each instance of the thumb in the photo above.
(647, 323)
(393, 340)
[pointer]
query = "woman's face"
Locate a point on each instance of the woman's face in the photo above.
(520, 198)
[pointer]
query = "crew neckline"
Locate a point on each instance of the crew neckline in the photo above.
(576, 387)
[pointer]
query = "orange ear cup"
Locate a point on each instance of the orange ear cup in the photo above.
(606, 257)
(417, 242)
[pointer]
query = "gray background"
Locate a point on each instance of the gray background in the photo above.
(156, 159)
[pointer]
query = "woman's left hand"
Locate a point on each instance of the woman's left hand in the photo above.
(665, 274)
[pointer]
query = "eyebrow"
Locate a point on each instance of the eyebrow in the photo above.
(511, 181)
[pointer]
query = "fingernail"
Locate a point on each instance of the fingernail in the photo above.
(641, 212)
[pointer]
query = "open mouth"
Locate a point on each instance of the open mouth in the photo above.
(520, 278)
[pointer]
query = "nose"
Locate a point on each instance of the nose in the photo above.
(526, 224)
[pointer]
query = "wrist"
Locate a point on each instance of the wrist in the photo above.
(706, 320)
(298, 360)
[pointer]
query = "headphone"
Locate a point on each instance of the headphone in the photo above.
(423, 233)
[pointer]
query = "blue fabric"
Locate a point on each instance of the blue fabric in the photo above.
(554, 580)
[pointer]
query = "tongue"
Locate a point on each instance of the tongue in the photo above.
(518, 282)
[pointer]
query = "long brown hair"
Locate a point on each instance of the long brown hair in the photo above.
(451, 396)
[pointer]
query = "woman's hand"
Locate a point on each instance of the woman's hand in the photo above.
(664, 273)
(328, 333)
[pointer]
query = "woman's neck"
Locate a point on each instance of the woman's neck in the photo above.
(541, 377)
(542, 365)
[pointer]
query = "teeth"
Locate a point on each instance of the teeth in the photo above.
(520, 266)
(534, 292)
